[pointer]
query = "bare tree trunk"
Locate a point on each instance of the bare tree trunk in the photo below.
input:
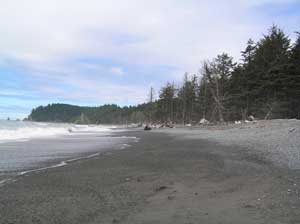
(216, 95)
(151, 99)
(217, 99)
(244, 114)
(268, 114)
(183, 111)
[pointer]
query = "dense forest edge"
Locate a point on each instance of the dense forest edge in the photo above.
(265, 83)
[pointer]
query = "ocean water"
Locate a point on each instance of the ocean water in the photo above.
(27, 147)
(25, 130)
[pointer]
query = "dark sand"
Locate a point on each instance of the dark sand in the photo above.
(161, 179)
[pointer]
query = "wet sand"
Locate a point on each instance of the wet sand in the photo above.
(162, 178)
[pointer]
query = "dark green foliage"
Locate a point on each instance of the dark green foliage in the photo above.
(56, 112)
(265, 84)
(186, 98)
(166, 103)
(292, 82)
(107, 114)
(270, 63)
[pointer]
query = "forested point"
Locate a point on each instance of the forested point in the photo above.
(265, 83)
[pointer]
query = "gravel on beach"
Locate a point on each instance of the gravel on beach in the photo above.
(274, 140)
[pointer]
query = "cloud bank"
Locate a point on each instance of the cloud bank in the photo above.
(94, 52)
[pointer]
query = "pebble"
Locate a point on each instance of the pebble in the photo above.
(171, 197)
(292, 129)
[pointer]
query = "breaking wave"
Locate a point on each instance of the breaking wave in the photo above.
(23, 131)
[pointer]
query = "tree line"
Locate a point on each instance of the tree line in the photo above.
(106, 114)
(265, 83)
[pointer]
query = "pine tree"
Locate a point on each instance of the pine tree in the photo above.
(218, 74)
(166, 102)
(292, 84)
(242, 84)
(270, 61)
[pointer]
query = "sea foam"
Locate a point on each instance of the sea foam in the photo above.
(23, 131)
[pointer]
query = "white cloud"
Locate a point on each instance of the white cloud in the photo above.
(46, 37)
(11, 93)
(92, 91)
(173, 31)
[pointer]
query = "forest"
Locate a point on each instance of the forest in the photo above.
(264, 83)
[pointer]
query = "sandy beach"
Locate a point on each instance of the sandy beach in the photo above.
(166, 177)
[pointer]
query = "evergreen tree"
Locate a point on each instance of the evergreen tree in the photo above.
(166, 102)
(271, 60)
(218, 74)
(187, 96)
(292, 83)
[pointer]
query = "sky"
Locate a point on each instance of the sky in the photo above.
(95, 52)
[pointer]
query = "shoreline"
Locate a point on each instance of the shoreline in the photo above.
(163, 178)
(54, 161)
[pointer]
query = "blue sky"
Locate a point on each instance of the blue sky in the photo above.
(95, 52)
